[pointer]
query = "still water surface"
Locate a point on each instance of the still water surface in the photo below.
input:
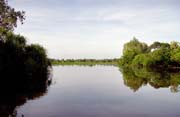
(102, 91)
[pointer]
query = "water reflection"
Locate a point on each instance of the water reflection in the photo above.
(98, 91)
(136, 78)
(102, 88)
(16, 93)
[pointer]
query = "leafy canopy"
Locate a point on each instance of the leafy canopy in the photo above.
(9, 16)
(158, 54)
(131, 49)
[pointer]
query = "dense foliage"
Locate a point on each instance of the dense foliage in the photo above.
(24, 72)
(24, 68)
(18, 59)
(22, 61)
(131, 49)
(163, 55)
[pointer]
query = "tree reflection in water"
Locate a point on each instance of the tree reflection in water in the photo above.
(136, 78)
(15, 92)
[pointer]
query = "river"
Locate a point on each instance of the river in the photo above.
(104, 91)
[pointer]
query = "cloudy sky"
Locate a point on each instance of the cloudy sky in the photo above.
(97, 28)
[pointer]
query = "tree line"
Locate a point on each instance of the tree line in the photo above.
(89, 62)
(156, 55)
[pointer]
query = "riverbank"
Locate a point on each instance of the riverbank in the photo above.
(85, 62)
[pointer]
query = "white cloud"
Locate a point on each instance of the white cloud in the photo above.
(99, 31)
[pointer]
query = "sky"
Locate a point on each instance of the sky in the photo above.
(96, 29)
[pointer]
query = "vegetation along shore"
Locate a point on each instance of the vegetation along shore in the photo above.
(157, 55)
(85, 62)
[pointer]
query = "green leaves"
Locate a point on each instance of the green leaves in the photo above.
(138, 54)
(9, 16)
(131, 49)
(175, 55)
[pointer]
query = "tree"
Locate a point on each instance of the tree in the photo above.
(22, 66)
(142, 60)
(157, 45)
(175, 53)
(131, 49)
(9, 16)
(135, 46)
(161, 56)
(174, 45)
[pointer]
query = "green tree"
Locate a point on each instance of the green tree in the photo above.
(22, 66)
(157, 45)
(174, 45)
(142, 60)
(175, 55)
(131, 49)
(160, 57)
(9, 16)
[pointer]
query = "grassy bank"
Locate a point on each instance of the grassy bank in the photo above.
(84, 62)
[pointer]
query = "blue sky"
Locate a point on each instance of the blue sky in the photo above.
(97, 28)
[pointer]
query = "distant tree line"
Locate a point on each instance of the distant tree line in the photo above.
(84, 61)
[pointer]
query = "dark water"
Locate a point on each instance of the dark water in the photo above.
(104, 91)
